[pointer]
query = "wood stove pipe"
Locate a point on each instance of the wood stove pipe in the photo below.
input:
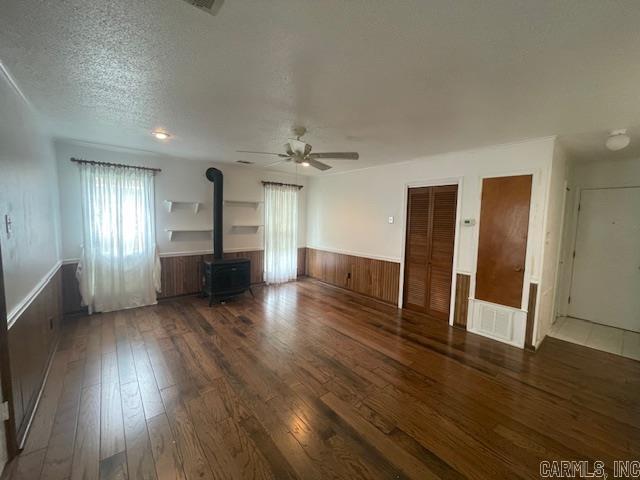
(214, 175)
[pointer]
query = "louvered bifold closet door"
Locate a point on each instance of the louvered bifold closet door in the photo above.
(440, 263)
(431, 225)
(416, 249)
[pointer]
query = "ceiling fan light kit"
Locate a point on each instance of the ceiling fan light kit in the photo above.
(299, 152)
(160, 134)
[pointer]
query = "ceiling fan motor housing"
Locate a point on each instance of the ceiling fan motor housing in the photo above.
(298, 147)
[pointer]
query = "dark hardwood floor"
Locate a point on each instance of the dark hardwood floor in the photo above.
(309, 381)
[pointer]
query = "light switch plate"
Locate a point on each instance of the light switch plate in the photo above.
(390, 219)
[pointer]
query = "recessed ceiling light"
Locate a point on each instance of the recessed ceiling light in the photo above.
(618, 139)
(305, 164)
(160, 135)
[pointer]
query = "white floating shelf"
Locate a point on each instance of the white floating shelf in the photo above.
(172, 231)
(242, 203)
(170, 204)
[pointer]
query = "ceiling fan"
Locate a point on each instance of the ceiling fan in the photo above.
(299, 152)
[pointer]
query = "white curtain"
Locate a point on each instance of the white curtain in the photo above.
(280, 233)
(119, 267)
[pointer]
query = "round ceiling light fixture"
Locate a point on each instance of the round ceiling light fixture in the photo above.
(618, 139)
(305, 164)
(160, 135)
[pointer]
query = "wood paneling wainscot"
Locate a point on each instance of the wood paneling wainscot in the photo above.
(375, 278)
(302, 262)
(71, 299)
(461, 307)
(32, 341)
(181, 275)
(531, 316)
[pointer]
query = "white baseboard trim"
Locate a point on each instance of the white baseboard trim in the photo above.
(19, 309)
(210, 252)
(185, 254)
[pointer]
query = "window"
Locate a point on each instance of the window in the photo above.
(281, 233)
(119, 267)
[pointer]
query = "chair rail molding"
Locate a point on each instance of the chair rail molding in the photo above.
(19, 309)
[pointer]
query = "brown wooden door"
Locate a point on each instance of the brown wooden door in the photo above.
(431, 225)
(502, 246)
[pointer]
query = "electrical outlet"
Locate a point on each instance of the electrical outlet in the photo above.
(391, 219)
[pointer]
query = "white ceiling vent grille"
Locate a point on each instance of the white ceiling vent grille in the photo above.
(209, 6)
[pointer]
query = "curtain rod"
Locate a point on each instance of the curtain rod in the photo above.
(122, 165)
(283, 184)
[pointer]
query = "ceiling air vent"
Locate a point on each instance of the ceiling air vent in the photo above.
(244, 162)
(209, 6)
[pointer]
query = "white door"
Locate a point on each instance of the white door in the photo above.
(606, 272)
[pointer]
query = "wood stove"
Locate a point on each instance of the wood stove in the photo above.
(223, 278)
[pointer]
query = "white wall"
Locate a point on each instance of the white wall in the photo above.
(29, 195)
(599, 174)
(179, 180)
(553, 231)
(349, 212)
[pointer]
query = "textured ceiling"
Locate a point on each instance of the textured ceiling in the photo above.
(391, 79)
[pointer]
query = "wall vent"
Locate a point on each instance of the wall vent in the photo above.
(209, 6)
(505, 324)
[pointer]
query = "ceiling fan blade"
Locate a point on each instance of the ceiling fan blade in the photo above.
(317, 164)
(336, 155)
(286, 159)
(262, 153)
